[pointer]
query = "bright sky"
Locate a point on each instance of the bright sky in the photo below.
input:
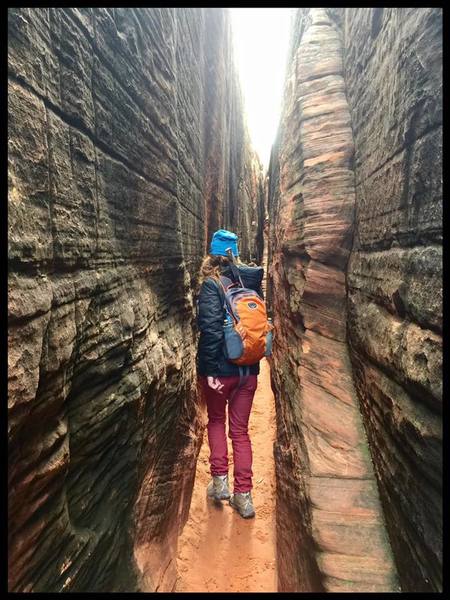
(261, 39)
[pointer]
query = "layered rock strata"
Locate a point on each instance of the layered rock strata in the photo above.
(110, 187)
(393, 66)
(331, 534)
(232, 168)
(386, 301)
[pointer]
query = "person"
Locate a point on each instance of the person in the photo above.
(222, 381)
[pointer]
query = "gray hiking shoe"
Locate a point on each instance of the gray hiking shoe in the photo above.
(243, 503)
(218, 488)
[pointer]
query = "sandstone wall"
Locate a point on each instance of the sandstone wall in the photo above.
(359, 142)
(112, 179)
(330, 528)
(232, 169)
(393, 66)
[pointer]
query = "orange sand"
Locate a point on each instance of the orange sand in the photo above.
(218, 550)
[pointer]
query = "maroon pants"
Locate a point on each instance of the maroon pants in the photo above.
(239, 406)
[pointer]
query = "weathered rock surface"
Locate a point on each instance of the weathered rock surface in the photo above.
(237, 175)
(374, 161)
(393, 65)
(112, 180)
(330, 524)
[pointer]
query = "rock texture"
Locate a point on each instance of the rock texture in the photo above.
(330, 525)
(232, 169)
(359, 142)
(114, 189)
(393, 65)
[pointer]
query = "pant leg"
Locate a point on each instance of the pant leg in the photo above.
(238, 413)
(215, 404)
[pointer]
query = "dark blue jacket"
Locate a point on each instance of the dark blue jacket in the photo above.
(210, 315)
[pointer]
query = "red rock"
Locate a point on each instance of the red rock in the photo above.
(330, 521)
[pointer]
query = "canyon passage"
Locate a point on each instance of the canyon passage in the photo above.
(127, 149)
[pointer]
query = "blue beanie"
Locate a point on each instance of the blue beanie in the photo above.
(221, 240)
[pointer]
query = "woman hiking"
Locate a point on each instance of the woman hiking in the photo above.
(222, 380)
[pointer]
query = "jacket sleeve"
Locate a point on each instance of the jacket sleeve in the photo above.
(210, 324)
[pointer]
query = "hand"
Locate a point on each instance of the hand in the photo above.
(214, 383)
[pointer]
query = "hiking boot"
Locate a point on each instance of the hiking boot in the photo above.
(218, 488)
(243, 503)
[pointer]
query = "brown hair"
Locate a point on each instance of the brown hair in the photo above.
(211, 265)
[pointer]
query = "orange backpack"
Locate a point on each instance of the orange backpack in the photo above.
(247, 330)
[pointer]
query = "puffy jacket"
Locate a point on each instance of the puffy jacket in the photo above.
(211, 359)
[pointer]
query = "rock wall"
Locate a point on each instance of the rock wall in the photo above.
(393, 66)
(330, 527)
(114, 188)
(232, 169)
(354, 257)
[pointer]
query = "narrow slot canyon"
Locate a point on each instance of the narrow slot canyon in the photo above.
(219, 551)
(128, 147)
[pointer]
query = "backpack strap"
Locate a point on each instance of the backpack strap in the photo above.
(222, 287)
(233, 266)
(226, 282)
(236, 273)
